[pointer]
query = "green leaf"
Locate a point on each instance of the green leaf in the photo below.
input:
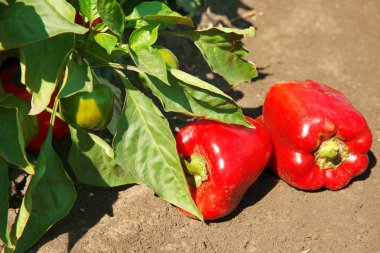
(192, 7)
(145, 145)
(194, 97)
(28, 123)
(27, 21)
(143, 37)
(156, 12)
(11, 139)
(42, 76)
(92, 160)
(107, 41)
(112, 14)
(79, 78)
(4, 195)
(149, 60)
(49, 197)
(223, 50)
(89, 9)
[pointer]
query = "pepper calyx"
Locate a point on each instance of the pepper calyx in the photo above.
(331, 153)
(195, 168)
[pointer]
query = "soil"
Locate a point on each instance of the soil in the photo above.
(334, 42)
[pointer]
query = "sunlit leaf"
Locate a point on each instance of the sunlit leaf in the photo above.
(143, 37)
(27, 21)
(42, 76)
(194, 97)
(92, 160)
(107, 41)
(89, 9)
(112, 14)
(49, 197)
(223, 50)
(157, 12)
(145, 145)
(149, 60)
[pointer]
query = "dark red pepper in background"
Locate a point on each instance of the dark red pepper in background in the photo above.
(319, 138)
(9, 72)
(80, 21)
(222, 161)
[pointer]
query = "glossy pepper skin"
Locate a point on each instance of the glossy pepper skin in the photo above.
(229, 158)
(10, 74)
(319, 138)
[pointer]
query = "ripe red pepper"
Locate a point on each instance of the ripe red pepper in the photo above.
(319, 138)
(221, 162)
(8, 72)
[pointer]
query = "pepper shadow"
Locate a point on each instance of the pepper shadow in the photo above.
(258, 190)
(253, 112)
(372, 161)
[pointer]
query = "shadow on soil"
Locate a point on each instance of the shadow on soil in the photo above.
(226, 14)
(91, 206)
(263, 185)
(371, 164)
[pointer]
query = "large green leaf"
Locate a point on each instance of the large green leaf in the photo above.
(79, 78)
(11, 139)
(49, 197)
(92, 160)
(26, 21)
(223, 50)
(144, 144)
(112, 14)
(156, 12)
(194, 97)
(41, 76)
(4, 205)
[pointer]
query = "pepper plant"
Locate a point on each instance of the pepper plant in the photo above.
(60, 58)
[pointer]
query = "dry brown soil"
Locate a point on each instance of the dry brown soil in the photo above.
(334, 42)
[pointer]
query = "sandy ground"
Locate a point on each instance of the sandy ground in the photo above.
(334, 42)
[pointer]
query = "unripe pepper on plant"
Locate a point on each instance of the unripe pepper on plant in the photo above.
(90, 110)
(319, 138)
(221, 161)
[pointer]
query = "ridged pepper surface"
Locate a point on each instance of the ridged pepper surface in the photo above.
(319, 138)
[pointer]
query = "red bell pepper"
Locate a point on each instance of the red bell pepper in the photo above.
(319, 138)
(221, 162)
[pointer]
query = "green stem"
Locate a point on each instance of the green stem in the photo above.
(195, 169)
(331, 153)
